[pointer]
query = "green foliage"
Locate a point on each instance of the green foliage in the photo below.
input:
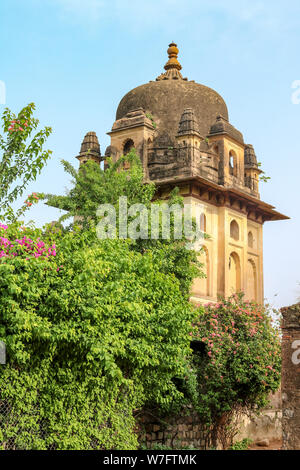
(23, 157)
(149, 116)
(241, 445)
(103, 327)
(262, 176)
(92, 334)
(92, 186)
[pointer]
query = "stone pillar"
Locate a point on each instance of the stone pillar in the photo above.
(291, 377)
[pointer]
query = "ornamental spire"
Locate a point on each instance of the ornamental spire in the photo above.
(172, 67)
(173, 61)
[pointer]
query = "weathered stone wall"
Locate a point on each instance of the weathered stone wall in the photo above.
(267, 425)
(174, 432)
(291, 377)
(186, 430)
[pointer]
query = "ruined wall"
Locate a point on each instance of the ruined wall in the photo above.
(291, 377)
(186, 430)
(174, 432)
(267, 425)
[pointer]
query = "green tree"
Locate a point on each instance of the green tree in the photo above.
(92, 186)
(22, 159)
(93, 333)
(95, 330)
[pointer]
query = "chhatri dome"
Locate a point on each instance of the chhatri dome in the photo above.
(170, 94)
(182, 134)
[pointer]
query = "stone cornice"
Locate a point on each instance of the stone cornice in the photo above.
(220, 196)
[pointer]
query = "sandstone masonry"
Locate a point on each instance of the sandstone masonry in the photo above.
(291, 377)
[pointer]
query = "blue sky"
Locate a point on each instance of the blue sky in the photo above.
(76, 59)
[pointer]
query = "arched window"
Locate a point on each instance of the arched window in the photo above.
(203, 222)
(201, 285)
(250, 239)
(232, 163)
(234, 230)
(251, 292)
(129, 144)
(234, 273)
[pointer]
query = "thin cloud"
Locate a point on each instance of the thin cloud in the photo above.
(174, 15)
(90, 11)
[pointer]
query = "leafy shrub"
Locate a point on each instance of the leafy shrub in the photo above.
(240, 365)
(92, 334)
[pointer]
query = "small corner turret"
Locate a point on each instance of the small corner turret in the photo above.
(90, 149)
(252, 171)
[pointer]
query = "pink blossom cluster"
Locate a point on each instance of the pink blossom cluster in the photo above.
(31, 197)
(221, 332)
(36, 248)
(15, 126)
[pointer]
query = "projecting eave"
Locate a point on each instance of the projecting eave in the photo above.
(223, 196)
(269, 211)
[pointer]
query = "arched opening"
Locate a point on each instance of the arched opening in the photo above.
(251, 292)
(129, 144)
(232, 163)
(250, 239)
(234, 273)
(203, 222)
(201, 285)
(234, 230)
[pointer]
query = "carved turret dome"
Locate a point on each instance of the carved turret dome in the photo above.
(188, 124)
(223, 126)
(90, 145)
(250, 157)
(90, 149)
(167, 97)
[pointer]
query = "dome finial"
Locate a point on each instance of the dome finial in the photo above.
(173, 53)
(172, 67)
